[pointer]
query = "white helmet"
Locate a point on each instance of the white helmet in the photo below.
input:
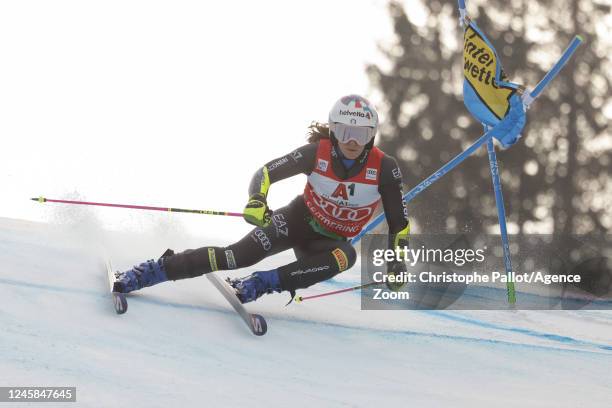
(353, 118)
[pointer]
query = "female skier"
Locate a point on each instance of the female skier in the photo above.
(347, 178)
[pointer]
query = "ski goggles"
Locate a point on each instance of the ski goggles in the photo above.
(345, 133)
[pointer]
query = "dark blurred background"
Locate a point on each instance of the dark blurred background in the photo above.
(556, 179)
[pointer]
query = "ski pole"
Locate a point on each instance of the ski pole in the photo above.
(299, 299)
(139, 207)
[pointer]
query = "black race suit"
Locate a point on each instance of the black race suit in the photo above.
(317, 255)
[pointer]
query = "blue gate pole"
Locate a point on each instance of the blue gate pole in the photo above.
(501, 215)
(419, 188)
(528, 98)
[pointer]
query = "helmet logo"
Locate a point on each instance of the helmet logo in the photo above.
(350, 113)
(360, 103)
(353, 98)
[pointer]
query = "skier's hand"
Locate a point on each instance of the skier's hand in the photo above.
(395, 268)
(257, 212)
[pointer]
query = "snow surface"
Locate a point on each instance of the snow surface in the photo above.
(181, 345)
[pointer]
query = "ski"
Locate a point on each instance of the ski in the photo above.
(255, 322)
(119, 300)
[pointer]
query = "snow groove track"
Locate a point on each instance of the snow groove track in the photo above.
(181, 345)
(153, 300)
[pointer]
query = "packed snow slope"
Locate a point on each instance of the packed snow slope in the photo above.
(181, 345)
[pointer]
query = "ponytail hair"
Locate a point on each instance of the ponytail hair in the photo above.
(318, 131)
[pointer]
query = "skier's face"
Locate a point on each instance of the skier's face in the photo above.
(351, 150)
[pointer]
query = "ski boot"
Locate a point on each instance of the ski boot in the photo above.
(253, 286)
(148, 273)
